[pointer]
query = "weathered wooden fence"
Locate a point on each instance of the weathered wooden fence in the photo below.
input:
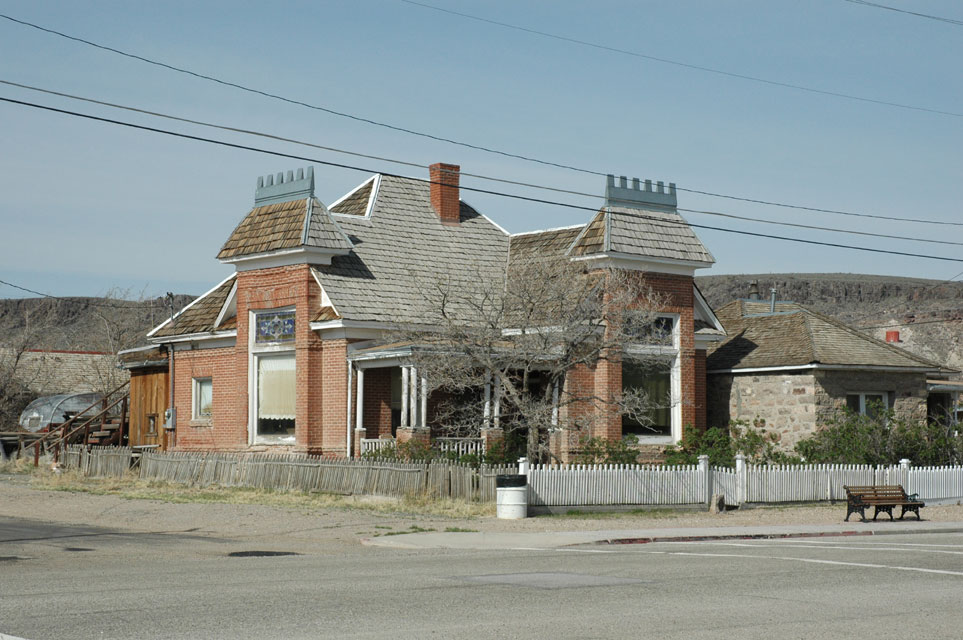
(292, 472)
(100, 462)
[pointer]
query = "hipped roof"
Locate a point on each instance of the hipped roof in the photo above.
(388, 243)
(286, 225)
(795, 336)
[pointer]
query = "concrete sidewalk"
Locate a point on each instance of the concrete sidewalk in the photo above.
(560, 539)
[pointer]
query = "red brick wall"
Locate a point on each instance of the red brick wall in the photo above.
(605, 378)
(334, 396)
(225, 430)
(377, 402)
(320, 420)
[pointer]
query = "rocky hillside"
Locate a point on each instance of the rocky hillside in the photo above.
(927, 313)
(83, 324)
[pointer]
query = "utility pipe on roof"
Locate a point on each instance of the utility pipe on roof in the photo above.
(772, 301)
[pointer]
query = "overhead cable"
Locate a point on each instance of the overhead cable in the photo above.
(912, 13)
(657, 221)
(677, 63)
(463, 173)
(440, 138)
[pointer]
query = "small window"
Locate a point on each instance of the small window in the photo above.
(152, 424)
(871, 404)
(203, 398)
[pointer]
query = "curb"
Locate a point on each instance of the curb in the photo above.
(767, 536)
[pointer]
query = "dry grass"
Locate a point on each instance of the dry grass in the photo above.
(132, 488)
(22, 466)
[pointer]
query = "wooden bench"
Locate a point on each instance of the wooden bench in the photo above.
(882, 498)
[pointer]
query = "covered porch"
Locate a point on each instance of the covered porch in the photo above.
(391, 402)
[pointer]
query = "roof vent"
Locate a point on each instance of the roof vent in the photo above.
(640, 195)
(284, 188)
(754, 290)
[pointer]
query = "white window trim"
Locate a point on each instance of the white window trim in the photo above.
(254, 352)
(671, 354)
(862, 399)
(196, 417)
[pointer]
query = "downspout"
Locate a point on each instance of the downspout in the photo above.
(170, 425)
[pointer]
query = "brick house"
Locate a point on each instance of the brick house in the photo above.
(795, 369)
(295, 349)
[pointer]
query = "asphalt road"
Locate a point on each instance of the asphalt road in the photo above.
(85, 582)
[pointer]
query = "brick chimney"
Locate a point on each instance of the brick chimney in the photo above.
(444, 191)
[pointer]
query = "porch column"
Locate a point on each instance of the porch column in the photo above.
(347, 445)
(359, 417)
(424, 401)
(487, 415)
(555, 404)
(497, 409)
(413, 396)
(404, 397)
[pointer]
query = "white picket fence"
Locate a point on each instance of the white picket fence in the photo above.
(580, 485)
(600, 485)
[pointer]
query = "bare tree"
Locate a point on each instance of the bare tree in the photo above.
(17, 380)
(524, 332)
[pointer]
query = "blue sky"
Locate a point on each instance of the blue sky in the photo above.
(89, 207)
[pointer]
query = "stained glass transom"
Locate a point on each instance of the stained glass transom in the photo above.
(274, 327)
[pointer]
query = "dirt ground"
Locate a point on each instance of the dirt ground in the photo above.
(303, 519)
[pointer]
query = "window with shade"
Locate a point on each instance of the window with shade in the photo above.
(203, 399)
(276, 390)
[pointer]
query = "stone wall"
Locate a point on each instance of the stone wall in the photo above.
(906, 391)
(786, 402)
(794, 404)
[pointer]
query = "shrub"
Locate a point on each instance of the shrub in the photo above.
(602, 451)
(754, 441)
(883, 438)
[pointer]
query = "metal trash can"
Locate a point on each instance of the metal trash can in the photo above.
(511, 496)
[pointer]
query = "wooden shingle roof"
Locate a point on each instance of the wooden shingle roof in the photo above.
(200, 315)
(553, 242)
(356, 202)
(285, 225)
(794, 336)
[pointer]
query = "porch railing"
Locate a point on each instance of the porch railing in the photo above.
(461, 446)
(374, 444)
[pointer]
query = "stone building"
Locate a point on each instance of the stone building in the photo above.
(795, 368)
(295, 350)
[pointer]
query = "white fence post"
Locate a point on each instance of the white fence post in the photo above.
(904, 466)
(523, 466)
(741, 483)
(706, 477)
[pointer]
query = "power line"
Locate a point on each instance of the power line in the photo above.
(301, 103)
(912, 13)
(448, 140)
(74, 300)
(655, 220)
(474, 175)
(730, 74)
(818, 228)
